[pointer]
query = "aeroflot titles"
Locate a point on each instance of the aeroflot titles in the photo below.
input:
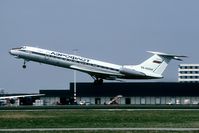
(70, 57)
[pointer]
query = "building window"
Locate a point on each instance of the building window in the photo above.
(127, 100)
(143, 100)
(183, 72)
(62, 101)
(157, 100)
(97, 101)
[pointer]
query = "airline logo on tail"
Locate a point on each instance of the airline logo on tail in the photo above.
(157, 61)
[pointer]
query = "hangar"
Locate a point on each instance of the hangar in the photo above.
(133, 93)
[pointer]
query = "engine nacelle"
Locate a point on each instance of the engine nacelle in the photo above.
(131, 72)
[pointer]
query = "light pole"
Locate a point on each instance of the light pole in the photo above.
(75, 76)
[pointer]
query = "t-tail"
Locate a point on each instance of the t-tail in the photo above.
(155, 65)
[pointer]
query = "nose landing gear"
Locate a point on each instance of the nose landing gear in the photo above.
(24, 65)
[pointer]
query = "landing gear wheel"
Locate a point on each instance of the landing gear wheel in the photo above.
(98, 82)
(24, 66)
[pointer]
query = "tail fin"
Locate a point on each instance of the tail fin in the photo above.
(158, 62)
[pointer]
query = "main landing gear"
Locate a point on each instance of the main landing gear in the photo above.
(98, 81)
(24, 65)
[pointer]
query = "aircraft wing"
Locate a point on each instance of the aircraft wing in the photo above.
(18, 96)
(95, 72)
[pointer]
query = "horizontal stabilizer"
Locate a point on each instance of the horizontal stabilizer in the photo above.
(171, 56)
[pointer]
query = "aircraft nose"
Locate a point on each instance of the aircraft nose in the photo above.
(10, 51)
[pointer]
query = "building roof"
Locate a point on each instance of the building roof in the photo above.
(136, 89)
(56, 93)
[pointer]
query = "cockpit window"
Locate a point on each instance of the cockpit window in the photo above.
(18, 48)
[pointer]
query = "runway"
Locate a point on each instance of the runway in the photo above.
(99, 129)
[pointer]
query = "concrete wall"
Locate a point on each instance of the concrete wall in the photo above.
(133, 100)
(50, 100)
(144, 100)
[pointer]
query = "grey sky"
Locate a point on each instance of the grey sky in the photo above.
(117, 31)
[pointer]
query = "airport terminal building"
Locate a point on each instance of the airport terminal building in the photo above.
(188, 73)
(147, 93)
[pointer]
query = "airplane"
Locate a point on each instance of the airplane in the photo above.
(13, 98)
(152, 68)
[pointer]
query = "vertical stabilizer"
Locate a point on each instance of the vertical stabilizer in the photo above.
(158, 62)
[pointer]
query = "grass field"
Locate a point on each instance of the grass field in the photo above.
(99, 118)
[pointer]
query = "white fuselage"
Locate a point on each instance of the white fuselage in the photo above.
(95, 68)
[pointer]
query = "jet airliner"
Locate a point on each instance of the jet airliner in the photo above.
(13, 98)
(152, 68)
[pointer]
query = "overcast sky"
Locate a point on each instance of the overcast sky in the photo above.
(117, 31)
